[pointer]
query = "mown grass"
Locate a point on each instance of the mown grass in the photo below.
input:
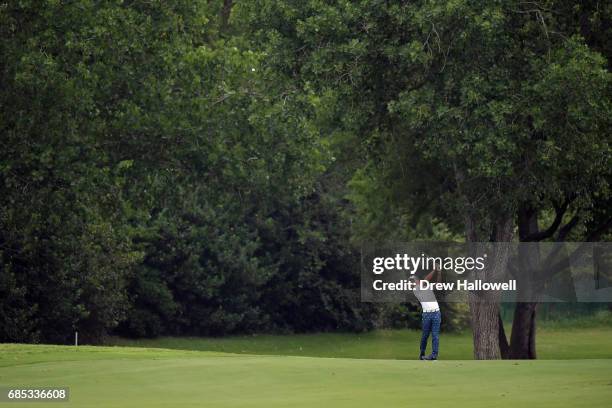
(365, 370)
(125, 377)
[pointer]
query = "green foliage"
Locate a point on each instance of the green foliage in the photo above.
(471, 107)
(157, 174)
(64, 250)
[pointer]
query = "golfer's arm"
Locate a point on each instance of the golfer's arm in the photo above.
(435, 274)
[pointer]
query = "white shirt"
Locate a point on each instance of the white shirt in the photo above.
(430, 306)
(427, 299)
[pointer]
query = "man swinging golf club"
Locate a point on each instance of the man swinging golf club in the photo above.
(431, 316)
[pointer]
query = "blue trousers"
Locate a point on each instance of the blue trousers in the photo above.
(431, 325)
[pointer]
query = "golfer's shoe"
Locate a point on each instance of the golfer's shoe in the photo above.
(430, 357)
(422, 357)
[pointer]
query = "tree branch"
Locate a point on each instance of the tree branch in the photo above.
(567, 228)
(547, 233)
(557, 265)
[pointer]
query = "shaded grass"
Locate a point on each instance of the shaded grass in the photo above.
(600, 319)
(552, 343)
(382, 344)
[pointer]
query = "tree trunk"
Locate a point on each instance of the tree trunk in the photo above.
(485, 329)
(484, 306)
(522, 341)
(504, 347)
(226, 11)
(522, 338)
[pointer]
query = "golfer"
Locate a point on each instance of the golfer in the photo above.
(431, 315)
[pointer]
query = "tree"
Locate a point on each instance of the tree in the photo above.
(452, 94)
(156, 174)
(65, 253)
(578, 209)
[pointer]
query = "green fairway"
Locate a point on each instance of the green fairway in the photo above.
(557, 343)
(139, 377)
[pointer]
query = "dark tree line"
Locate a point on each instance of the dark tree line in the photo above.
(209, 167)
(156, 179)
